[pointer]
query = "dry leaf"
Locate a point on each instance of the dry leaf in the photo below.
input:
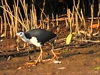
(68, 38)
(95, 26)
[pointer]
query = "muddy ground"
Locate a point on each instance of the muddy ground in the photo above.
(78, 58)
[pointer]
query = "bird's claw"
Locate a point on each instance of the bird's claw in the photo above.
(26, 65)
(29, 64)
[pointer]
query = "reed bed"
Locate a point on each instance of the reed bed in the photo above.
(13, 20)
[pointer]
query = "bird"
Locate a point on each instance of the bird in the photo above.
(38, 37)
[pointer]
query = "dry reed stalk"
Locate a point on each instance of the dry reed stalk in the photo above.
(15, 26)
(25, 9)
(77, 25)
(31, 26)
(1, 23)
(48, 23)
(69, 19)
(5, 23)
(66, 22)
(72, 18)
(98, 7)
(24, 6)
(98, 20)
(76, 8)
(42, 23)
(78, 4)
(41, 16)
(92, 7)
(84, 23)
(20, 15)
(9, 18)
(56, 19)
(22, 20)
(98, 12)
(6, 4)
(10, 26)
(53, 19)
(83, 8)
(14, 17)
(15, 22)
(33, 17)
(42, 10)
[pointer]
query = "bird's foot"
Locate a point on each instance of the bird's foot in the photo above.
(33, 63)
(28, 64)
(54, 58)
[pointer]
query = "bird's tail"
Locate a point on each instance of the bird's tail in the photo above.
(54, 29)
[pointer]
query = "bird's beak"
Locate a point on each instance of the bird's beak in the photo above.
(18, 38)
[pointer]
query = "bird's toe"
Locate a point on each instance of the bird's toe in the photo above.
(29, 64)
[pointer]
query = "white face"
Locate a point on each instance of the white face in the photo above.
(21, 34)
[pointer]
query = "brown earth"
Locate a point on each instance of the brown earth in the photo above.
(78, 58)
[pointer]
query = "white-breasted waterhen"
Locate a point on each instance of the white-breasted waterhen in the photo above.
(37, 37)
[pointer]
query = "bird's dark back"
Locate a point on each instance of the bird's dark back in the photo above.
(42, 35)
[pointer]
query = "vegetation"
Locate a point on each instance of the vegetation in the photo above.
(13, 21)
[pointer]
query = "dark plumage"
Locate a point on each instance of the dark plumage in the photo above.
(41, 35)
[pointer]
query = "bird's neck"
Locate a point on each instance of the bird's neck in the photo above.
(24, 38)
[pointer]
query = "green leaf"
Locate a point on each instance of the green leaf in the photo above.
(67, 51)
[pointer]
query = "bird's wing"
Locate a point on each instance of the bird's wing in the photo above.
(41, 34)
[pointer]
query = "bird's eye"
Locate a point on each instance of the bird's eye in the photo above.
(20, 33)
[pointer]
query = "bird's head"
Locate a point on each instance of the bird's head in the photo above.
(19, 35)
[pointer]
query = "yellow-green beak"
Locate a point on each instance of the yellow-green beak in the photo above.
(18, 39)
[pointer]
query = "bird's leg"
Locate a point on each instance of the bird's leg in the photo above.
(54, 55)
(39, 59)
(29, 52)
(29, 56)
(17, 47)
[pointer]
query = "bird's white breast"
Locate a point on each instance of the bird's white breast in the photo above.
(34, 41)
